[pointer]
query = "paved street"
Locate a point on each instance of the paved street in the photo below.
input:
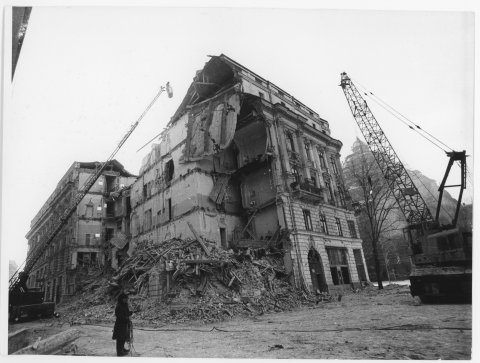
(367, 325)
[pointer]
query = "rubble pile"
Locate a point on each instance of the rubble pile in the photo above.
(190, 280)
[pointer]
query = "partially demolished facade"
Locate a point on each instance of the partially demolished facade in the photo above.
(85, 240)
(244, 164)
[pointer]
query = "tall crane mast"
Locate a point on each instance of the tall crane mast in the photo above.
(406, 194)
(19, 279)
(441, 255)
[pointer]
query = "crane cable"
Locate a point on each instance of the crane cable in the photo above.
(412, 128)
(399, 116)
(402, 118)
(431, 194)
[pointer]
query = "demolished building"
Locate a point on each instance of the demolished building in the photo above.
(93, 234)
(245, 165)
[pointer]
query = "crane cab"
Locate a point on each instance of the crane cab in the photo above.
(441, 263)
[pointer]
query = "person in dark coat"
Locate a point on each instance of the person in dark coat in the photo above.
(121, 329)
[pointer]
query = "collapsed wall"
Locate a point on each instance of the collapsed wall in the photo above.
(242, 164)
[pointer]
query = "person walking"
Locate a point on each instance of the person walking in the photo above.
(121, 329)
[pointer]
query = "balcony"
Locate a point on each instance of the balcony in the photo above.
(307, 192)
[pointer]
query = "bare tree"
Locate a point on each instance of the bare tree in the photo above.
(374, 200)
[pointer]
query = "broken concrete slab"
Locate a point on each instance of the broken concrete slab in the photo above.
(50, 344)
(18, 340)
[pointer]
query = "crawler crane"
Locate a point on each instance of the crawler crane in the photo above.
(441, 254)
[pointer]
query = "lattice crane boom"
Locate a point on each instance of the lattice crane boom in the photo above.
(404, 190)
(19, 279)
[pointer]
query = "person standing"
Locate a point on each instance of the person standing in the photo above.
(121, 329)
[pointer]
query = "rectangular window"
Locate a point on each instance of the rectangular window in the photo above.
(109, 233)
(337, 257)
(290, 141)
(323, 224)
(334, 165)
(351, 227)
(295, 173)
(89, 211)
(339, 226)
(341, 195)
(148, 220)
(87, 239)
(169, 170)
(223, 237)
(313, 177)
(307, 219)
(329, 191)
(110, 209)
(357, 254)
(86, 258)
(170, 215)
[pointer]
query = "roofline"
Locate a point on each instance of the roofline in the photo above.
(228, 59)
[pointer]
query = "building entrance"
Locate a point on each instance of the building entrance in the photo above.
(316, 271)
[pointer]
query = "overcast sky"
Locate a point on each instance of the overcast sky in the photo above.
(85, 75)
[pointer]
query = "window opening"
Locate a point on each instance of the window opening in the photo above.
(170, 216)
(323, 224)
(313, 177)
(295, 173)
(351, 227)
(338, 265)
(290, 142)
(341, 195)
(169, 169)
(89, 211)
(307, 219)
(357, 254)
(339, 226)
(334, 165)
(223, 237)
(329, 191)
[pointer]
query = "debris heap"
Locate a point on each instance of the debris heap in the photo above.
(191, 280)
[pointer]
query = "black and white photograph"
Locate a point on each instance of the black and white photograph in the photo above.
(238, 180)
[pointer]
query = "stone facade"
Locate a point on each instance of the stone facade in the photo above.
(82, 242)
(244, 164)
